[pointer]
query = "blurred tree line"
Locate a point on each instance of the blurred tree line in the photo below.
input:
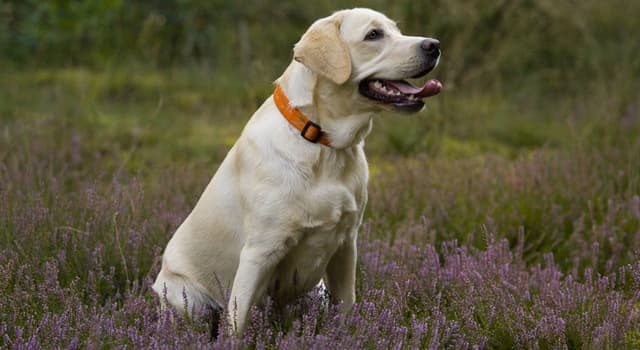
(485, 42)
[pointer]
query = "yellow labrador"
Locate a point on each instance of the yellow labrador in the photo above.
(283, 210)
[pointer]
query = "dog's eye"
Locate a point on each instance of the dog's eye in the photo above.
(374, 34)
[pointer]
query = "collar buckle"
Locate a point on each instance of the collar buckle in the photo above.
(311, 132)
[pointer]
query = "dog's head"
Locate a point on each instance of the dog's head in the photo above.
(363, 50)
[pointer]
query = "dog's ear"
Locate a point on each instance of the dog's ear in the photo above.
(322, 50)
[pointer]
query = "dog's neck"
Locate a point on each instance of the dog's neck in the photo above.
(323, 103)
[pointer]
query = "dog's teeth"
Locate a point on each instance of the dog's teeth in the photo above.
(377, 84)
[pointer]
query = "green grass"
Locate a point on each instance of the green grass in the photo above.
(181, 113)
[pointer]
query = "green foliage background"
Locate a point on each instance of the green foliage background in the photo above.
(486, 43)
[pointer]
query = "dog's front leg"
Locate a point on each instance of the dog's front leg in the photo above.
(340, 276)
(257, 264)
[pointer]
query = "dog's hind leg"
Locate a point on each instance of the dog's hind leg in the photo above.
(183, 295)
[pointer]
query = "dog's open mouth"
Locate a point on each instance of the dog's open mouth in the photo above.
(399, 94)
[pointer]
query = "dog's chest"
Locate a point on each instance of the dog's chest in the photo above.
(318, 203)
(329, 217)
(307, 258)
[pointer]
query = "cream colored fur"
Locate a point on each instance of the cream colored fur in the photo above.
(281, 213)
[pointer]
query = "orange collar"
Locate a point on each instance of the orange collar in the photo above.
(309, 130)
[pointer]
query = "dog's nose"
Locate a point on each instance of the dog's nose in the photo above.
(431, 47)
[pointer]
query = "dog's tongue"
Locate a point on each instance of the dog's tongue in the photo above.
(430, 87)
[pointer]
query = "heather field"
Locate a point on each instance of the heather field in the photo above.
(506, 215)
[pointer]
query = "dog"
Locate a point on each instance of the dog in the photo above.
(283, 210)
